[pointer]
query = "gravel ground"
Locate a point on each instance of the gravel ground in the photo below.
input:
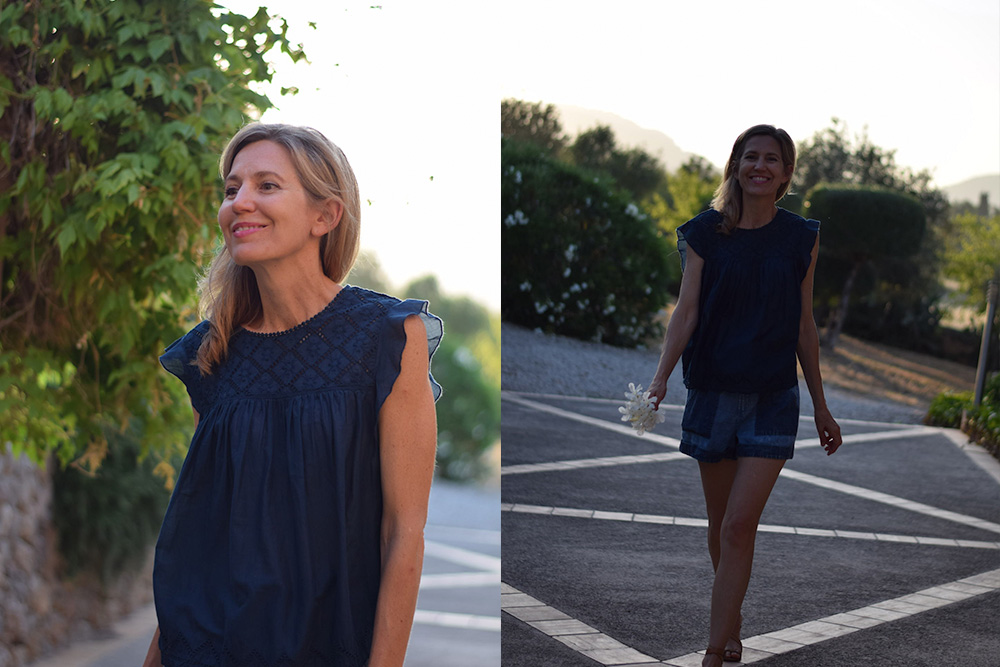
(540, 363)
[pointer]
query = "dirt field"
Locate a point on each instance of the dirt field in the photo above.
(880, 371)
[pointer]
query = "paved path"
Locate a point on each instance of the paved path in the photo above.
(887, 553)
(457, 623)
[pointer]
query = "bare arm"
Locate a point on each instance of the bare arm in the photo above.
(153, 658)
(681, 326)
(408, 438)
(808, 353)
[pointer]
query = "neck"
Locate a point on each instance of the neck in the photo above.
(757, 212)
(290, 298)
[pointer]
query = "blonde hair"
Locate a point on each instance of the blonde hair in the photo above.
(728, 199)
(228, 294)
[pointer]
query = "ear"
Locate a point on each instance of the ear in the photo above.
(328, 217)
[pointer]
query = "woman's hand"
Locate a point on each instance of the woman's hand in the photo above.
(657, 390)
(829, 431)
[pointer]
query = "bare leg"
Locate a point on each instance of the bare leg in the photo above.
(749, 489)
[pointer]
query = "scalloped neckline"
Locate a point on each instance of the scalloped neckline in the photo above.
(303, 323)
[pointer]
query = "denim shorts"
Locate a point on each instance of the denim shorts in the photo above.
(721, 425)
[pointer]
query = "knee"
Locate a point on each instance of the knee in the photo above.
(738, 532)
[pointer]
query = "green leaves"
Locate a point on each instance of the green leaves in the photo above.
(117, 113)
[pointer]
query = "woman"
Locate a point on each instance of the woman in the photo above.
(295, 532)
(743, 315)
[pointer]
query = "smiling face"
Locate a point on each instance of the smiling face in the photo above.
(762, 171)
(266, 216)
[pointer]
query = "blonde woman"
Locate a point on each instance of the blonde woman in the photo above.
(743, 315)
(295, 532)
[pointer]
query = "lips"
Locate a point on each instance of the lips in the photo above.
(241, 229)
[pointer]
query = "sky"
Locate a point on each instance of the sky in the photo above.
(410, 91)
(922, 75)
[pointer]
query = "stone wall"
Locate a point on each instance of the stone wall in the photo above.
(40, 610)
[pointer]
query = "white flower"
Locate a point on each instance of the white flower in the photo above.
(632, 210)
(639, 410)
(517, 177)
(517, 218)
(525, 286)
(566, 272)
(570, 252)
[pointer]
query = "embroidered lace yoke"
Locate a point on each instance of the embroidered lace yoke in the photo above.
(269, 551)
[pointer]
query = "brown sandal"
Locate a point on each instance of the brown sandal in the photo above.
(733, 655)
(721, 652)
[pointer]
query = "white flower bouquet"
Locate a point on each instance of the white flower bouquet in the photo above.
(639, 409)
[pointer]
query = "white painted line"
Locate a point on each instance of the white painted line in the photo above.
(979, 455)
(579, 464)
(462, 534)
(813, 632)
(459, 580)
(618, 428)
(887, 499)
(449, 619)
(472, 559)
(575, 634)
(626, 517)
(674, 407)
(915, 432)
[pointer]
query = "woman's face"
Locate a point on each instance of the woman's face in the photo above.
(266, 216)
(761, 169)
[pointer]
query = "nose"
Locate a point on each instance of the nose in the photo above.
(243, 201)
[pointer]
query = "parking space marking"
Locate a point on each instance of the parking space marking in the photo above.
(623, 429)
(895, 501)
(573, 633)
(604, 649)
(450, 619)
(576, 464)
(789, 639)
(628, 517)
(619, 428)
(486, 572)
(849, 489)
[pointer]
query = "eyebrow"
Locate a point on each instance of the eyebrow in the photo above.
(258, 175)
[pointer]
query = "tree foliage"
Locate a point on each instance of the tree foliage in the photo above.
(862, 226)
(533, 123)
(898, 297)
(112, 116)
(579, 257)
(972, 255)
(468, 367)
(687, 192)
(633, 169)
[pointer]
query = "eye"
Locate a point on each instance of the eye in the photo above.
(268, 186)
(231, 191)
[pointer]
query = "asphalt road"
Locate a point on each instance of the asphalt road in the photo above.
(887, 553)
(457, 622)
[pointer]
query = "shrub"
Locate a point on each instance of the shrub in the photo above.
(982, 424)
(579, 258)
(107, 519)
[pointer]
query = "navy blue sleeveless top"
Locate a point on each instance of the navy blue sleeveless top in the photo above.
(269, 551)
(750, 302)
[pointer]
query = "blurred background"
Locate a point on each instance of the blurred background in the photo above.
(114, 115)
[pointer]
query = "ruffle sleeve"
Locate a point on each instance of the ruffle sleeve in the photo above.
(697, 233)
(393, 341)
(178, 359)
(807, 240)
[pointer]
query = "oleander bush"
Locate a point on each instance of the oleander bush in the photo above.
(580, 259)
